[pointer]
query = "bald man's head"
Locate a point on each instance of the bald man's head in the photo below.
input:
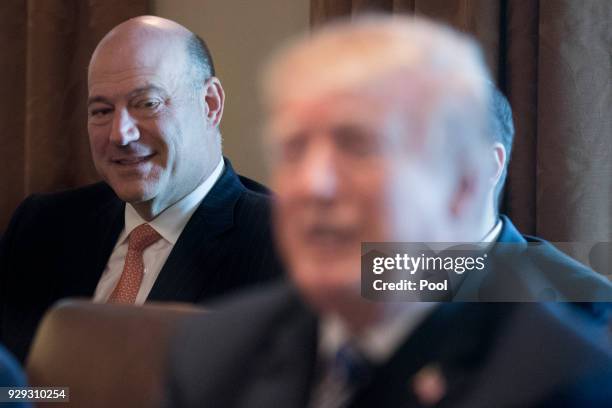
(143, 31)
(154, 112)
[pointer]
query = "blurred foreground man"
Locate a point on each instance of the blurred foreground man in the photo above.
(172, 221)
(379, 132)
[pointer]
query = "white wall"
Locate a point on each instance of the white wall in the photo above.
(240, 34)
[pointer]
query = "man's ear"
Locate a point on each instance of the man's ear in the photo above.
(468, 184)
(214, 98)
(499, 161)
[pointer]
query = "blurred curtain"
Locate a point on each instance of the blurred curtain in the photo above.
(45, 47)
(553, 59)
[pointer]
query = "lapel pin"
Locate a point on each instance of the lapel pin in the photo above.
(429, 385)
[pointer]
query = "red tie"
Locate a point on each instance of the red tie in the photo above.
(126, 290)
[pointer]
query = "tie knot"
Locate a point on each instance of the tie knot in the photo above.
(142, 236)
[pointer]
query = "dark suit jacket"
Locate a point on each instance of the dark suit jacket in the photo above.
(57, 246)
(10, 372)
(526, 268)
(11, 375)
(259, 350)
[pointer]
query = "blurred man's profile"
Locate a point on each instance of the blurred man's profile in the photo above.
(171, 220)
(379, 131)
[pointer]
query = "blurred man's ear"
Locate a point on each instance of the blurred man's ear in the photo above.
(499, 160)
(214, 97)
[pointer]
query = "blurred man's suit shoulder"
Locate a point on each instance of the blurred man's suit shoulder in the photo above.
(257, 338)
(261, 349)
(57, 245)
(532, 264)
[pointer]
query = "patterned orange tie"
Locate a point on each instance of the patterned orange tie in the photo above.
(140, 239)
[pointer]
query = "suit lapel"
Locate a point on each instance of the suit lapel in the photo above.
(450, 343)
(192, 262)
(284, 370)
(90, 254)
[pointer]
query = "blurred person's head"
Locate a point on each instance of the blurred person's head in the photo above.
(379, 132)
(501, 137)
(153, 112)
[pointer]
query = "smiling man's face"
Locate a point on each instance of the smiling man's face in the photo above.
(148, 132)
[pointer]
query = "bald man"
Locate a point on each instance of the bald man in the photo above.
(171, 222)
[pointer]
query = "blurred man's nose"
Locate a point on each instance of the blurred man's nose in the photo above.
(125, 129)
(320, 171)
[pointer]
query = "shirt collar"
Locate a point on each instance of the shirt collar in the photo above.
(171, 222)
(494, 233)
(487, 242)
(379, 340)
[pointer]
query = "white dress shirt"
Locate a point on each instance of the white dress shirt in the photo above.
(169, 224)
(494, 233)
(378, 341)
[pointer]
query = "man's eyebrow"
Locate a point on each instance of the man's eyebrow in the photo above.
(137, 91)
(97, 99)
(145, 89)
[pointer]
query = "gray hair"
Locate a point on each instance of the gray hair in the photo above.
(200, 59)
(502, 131)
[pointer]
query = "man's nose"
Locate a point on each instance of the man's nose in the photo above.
(320, 172)
(124, 130)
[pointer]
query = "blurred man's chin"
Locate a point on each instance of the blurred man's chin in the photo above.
(328, 279)
(325, 295)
